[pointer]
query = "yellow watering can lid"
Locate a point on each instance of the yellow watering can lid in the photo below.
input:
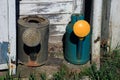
(81, 28)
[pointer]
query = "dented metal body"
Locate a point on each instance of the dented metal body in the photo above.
(33, 33)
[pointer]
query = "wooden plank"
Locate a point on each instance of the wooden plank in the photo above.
(12, 36)
(96, 32)
(79, 6)
(3, 21)
(115, 24)
(40, 1)
(57, 18)
(56, 30)
(3, 66)
(105, 20)
(105, 29)
(46, 8)
(3, 34)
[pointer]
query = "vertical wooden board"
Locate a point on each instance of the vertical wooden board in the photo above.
(79, 6)
(46, 8)
(3, 34)
(3, 21)
(12, 36)
(115, 23)
(96, 32)
(45, 1)
(105, 34)
(56, 18)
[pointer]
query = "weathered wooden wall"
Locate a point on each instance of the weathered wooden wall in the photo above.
(3, 34)
(96, 31)
(110, 23)
(4, 17)
(105, 20)
(114, 23)
(8, 35)
(57, 11)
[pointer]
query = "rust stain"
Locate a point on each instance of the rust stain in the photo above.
(12, 66)
(104, 43)
(98, 39)
(32, 63)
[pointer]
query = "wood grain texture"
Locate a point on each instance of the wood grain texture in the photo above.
(114, 24)
(56, 18)
(57, 11)
(96, 32)
(56, 30)
(39, 1)
(46, 8)
(105, 33)
(3, 21)
(12, 36)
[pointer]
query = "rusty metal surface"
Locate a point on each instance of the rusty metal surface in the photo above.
(33, 40)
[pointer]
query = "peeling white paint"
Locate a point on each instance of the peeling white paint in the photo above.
(60, 28)
(42, 1)
(57, 11)
(57, 30)
(8, 30)
(56, 19)
(42, 8)
(3, 21)
(96, 31)
(79, 7)
(3, 66)
(115, 24)
(12, 34)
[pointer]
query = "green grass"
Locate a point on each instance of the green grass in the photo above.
(61, 74)
(43, 76)
(109, 70)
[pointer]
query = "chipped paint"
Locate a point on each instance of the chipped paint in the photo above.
(96, 32)
(57, 11)
(42, 1)
(4, 21)
(115, 24)
(57, 30)
(42, 8)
